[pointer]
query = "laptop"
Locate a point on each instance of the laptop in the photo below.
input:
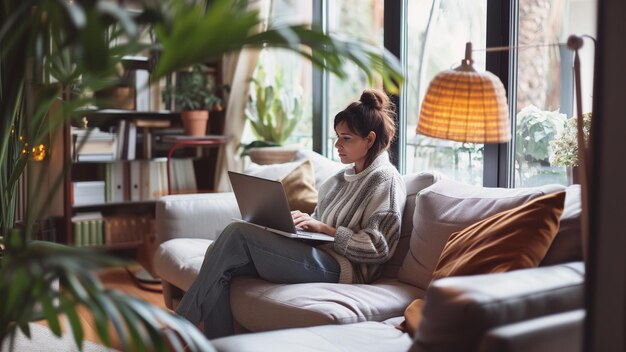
(263, 203)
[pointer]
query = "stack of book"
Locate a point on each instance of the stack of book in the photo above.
(93, 145)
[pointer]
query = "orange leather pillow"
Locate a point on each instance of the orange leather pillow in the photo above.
(300, 189)
(514, 239)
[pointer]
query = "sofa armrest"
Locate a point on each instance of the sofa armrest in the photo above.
(458, 311)
(202, 215)
(556, 332)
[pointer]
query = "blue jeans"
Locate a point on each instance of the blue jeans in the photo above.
(244, 249)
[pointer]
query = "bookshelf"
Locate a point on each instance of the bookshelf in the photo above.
(110, 190)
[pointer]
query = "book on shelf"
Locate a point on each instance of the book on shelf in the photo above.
(88, 192)
(93, 145)
(120, 133)
(116, 184)
(88, 229)
(121, 229)
(183, 176)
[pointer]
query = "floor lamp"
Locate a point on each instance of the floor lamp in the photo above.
(464, 105)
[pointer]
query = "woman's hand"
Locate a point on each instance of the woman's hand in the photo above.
(305, 222)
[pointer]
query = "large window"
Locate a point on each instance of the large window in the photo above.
(363, 22)
(291, 79)
(544, 86)
(437, 33)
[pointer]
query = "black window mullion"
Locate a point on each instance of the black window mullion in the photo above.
(320, 86)
(502, 30)
(395, 42)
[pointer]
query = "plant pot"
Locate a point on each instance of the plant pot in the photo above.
(272, 155)
(195, 122)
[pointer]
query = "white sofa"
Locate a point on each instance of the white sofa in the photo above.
(435, 207)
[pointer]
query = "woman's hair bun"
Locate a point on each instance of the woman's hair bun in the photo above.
(374, 99)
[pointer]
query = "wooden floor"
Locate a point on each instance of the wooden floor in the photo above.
(120, 279)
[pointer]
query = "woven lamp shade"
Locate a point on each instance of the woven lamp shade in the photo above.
(466, 106)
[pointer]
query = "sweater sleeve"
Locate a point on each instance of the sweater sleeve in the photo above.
(375, 242)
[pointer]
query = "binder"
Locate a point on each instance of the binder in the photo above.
(117, 187)
(135, 180)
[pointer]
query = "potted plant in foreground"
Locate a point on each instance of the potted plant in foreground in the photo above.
(194, 95)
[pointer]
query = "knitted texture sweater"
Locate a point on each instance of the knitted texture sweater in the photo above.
(366, 209)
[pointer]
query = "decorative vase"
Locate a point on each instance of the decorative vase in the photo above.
(194, 122)
(272, 155)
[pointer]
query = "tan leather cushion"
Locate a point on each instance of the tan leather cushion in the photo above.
(447, 207)
(458, 311)
(513, 239)
(300, 189)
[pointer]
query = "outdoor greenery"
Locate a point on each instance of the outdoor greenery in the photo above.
(535, 129)
(565, 145)
(52, 53)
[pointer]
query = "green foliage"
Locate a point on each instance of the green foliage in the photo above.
(45, 280)
(565, 145)
(274, 108)
(194, 91)
(535, 129)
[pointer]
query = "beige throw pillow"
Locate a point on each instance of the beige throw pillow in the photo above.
(300, 189)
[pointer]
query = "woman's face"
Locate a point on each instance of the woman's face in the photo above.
(351, 147)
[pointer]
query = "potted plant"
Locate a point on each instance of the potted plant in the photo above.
(194, 95)
(565, 146)
(273, 110)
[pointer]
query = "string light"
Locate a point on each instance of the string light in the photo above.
(39, 152)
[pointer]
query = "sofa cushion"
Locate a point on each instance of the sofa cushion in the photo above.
(513, 239)
(361, 337)
(554, 332)
(179, 260)
(567, 245)
(254, 301)
(299, 185)
(447, 207)
(414, 184)
(458, 311)
(199, 215)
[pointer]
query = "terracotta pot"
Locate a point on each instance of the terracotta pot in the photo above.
(195, 122)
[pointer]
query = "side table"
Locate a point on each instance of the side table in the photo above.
(189, 141)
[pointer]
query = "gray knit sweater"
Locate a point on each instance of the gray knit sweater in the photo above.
(366, 209)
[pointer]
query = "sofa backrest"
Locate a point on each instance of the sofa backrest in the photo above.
(447, 207)
(414, 184)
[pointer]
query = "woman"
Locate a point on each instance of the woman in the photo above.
(361, 206)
